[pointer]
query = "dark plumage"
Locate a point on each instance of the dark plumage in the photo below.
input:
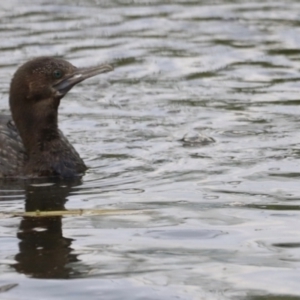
(31, 145)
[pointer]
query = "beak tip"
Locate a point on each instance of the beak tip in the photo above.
(110, 68)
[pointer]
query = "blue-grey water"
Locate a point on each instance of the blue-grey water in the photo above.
(196, 131)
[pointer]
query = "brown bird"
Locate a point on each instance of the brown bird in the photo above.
(31, 145)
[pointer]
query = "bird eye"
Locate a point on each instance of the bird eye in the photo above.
(57, 74)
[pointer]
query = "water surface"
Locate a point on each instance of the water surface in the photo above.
(196, 130)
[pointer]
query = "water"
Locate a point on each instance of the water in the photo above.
(196, 131)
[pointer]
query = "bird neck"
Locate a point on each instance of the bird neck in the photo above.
(37, 125)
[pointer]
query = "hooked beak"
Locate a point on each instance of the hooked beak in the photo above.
(79, 75)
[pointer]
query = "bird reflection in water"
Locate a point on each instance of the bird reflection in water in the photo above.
(44, 251)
